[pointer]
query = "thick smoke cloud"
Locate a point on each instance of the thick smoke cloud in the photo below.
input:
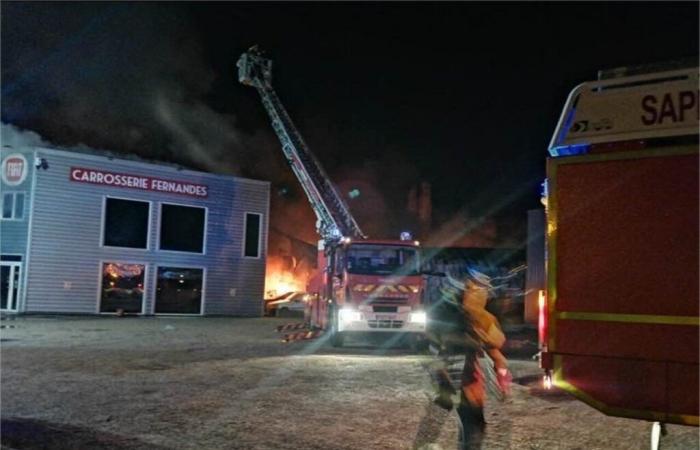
(127, 76)
(130, 78)
(134, 78)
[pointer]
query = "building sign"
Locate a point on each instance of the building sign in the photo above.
(123, 180)
(637, 112)
(14, 169)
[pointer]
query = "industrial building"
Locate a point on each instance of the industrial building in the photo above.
(91, 233)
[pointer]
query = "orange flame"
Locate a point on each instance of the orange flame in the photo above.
(281, 277)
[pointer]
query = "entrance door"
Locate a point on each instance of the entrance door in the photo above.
(9, 285)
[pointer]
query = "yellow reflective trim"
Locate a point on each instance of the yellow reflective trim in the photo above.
(657, 416)
(629, 318)
(551, 267)
(552, 212)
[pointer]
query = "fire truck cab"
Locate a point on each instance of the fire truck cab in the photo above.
(368, 286)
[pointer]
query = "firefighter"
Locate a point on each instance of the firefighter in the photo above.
(480, 332)
(490, 338)
(485, 325)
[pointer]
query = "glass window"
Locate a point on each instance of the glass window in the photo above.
(382, 260)
(126, 223)
(19, 205)
(7, 205)
(182, 228)
(122, 287)
(179, 291)
(252, 235)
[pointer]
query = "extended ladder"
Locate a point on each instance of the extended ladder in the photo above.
(334, 218)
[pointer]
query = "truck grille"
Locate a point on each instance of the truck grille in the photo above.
(385, 323)
(389, 301)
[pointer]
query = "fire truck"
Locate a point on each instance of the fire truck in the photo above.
(362, 285)
(619, 321)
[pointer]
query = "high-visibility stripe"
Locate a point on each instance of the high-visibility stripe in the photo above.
(302, 336)
(291, 326)
(558, 379)
(552, 219)
(629, 318)
(403, 288)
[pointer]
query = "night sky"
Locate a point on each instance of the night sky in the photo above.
(462, 95)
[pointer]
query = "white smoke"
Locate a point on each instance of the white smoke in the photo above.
(14, 137)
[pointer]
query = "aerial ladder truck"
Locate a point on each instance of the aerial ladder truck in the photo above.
(362, 285)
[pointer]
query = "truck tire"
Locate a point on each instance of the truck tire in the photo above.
(337, 339)
(417, 343)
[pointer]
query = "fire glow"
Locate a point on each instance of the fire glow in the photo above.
(280, 279)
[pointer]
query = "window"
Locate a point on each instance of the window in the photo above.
(182, 228)
(126, 223)
(252, 235)
(179, 291)
(382, 260)
(13, 205)
(122, 287)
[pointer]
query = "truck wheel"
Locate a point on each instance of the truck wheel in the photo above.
(417, 343)
(337, 339)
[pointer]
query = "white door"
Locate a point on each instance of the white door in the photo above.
(9, 285)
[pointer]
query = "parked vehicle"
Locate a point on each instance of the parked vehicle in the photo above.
(619, 324)
(286, 305)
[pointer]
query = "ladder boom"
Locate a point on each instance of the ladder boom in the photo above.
(334, 218)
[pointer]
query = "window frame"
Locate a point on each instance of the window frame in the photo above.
(181, 266)
(103, 224)
(100, 277)
(13, 211)
(245, 228)
(159, 225)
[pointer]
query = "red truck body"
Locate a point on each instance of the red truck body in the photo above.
(376, 298)
(621, 311)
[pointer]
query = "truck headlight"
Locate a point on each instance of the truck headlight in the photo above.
(419, 317)
(347, 315)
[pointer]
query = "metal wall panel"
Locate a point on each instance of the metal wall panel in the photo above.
(66, 251)
(13, 233)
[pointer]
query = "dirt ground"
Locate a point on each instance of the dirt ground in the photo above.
(210, 383)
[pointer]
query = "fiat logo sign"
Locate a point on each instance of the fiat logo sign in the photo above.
(14, 169)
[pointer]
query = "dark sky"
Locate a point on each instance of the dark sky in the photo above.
(463, 95)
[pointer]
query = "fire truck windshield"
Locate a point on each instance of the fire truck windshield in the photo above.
(366, 259)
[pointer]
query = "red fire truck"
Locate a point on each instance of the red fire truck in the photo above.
(376, 286)
(619, 323)
(362, 285)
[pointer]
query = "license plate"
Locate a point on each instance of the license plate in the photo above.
(385, 317)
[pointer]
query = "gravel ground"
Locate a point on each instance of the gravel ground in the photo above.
(209, 383)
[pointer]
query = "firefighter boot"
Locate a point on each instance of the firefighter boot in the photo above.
(472, 425)
(445, 390)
